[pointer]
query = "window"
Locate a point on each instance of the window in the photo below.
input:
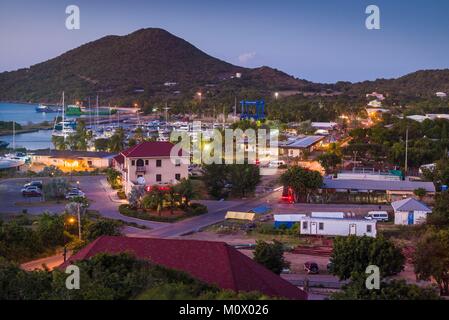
(158, 163)
(321, 226)
(158, 177)
(304, 224)
(139, 163)
(89, 162)
(177, 163)
(178, 176)
(369, 228)
(146, 162)
(133, 162)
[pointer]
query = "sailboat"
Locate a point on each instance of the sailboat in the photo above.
(65, 127)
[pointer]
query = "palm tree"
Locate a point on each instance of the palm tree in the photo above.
(154, 200)
(117, 141)
(186, 190)
(59, 142)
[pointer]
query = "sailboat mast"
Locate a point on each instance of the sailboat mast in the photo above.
(63, 111)
(14, 135)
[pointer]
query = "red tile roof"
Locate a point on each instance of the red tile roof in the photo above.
(149, 149)
(211, 262)
(120, 159)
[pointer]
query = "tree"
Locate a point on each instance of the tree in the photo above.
(50, 229)
(101, 144)
(186, 190)
(329, 161)
(243, 178)
(440, 212)
(117, 141)
(56, 188)
(113, 177)
(60, 143)
(389, 290)
(270, 255)
(154, 199)
(135, 196)
(102, 228)
(355, 254)
(431, 259)
(420, 193)
(302, 181)
(17, 284)
(215, 179)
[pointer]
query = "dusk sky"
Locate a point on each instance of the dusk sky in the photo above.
(322, 41)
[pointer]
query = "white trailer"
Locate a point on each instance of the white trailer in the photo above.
(337, 227)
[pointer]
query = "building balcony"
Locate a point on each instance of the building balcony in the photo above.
(141, 169)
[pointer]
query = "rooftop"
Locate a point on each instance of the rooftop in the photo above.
(149, 149)
(410, 204)
(212, 262)
(302, 143)
(377, 185)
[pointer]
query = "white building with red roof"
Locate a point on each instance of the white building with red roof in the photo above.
(151, 163)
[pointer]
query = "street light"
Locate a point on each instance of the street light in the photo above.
(200, 95)
(276, 95)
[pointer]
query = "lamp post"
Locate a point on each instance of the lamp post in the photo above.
(200, 95)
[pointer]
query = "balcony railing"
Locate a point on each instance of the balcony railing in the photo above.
(140, 169)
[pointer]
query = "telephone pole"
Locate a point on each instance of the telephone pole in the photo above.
(406, 151)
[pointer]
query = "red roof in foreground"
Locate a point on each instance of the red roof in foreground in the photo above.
(149, 149)
(211, 262)
(119, 159)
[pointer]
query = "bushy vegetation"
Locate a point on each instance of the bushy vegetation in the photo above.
(109, 277)
(271, 255)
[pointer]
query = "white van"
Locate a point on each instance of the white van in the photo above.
(276, 163)
(377, 215)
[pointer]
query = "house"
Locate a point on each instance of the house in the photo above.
(441, 94)
(384, 189)
(150, 163)
(215, 263)
(68, 160)
(324, 226)
(410, 211)
(294, 148)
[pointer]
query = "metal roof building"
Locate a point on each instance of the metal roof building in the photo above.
(377, 185)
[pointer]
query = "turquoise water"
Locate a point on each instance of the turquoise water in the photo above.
(23, 113)
(32, 141)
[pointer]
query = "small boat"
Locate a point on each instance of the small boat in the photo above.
(65, 125)
(43, 108)
(20, 156)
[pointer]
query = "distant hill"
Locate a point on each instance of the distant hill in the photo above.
(119, 66)
(136, 66)
(423, 83)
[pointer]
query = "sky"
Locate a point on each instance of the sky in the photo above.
(321, 41)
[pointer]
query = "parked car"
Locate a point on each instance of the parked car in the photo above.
(311, 267)
(74, 193)
(31, 191)
(34, 184)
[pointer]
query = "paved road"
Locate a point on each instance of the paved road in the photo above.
(103, 199)
(50, 262)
